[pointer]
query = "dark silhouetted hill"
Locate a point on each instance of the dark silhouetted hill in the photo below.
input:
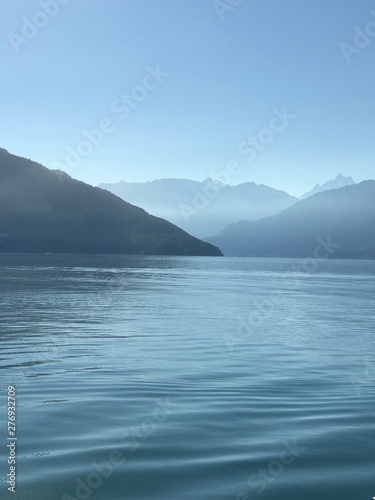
(44, 210)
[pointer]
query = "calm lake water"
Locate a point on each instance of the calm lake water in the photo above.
(169, 378)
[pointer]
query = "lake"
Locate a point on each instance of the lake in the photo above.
(168, 378)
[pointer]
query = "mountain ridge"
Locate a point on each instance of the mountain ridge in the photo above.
(45, 210)
(347, 215)
(337, 183)
(206, 207)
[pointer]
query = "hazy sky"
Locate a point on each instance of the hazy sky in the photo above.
(178, 87)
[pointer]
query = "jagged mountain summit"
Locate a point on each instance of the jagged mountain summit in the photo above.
(203, 208)
(46, 210)
(337, 183)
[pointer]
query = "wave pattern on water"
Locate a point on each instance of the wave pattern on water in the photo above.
(174, 378)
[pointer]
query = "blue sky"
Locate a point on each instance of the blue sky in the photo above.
(224, 72)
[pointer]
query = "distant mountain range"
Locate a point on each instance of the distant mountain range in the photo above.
(203, 208)
(337, 183)
(345, 216)
(47, 211)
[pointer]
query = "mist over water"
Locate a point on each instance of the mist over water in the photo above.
(167, 378)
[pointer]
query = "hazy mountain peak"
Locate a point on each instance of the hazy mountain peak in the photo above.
(203, 208)
(337, 183)
(213, 181)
